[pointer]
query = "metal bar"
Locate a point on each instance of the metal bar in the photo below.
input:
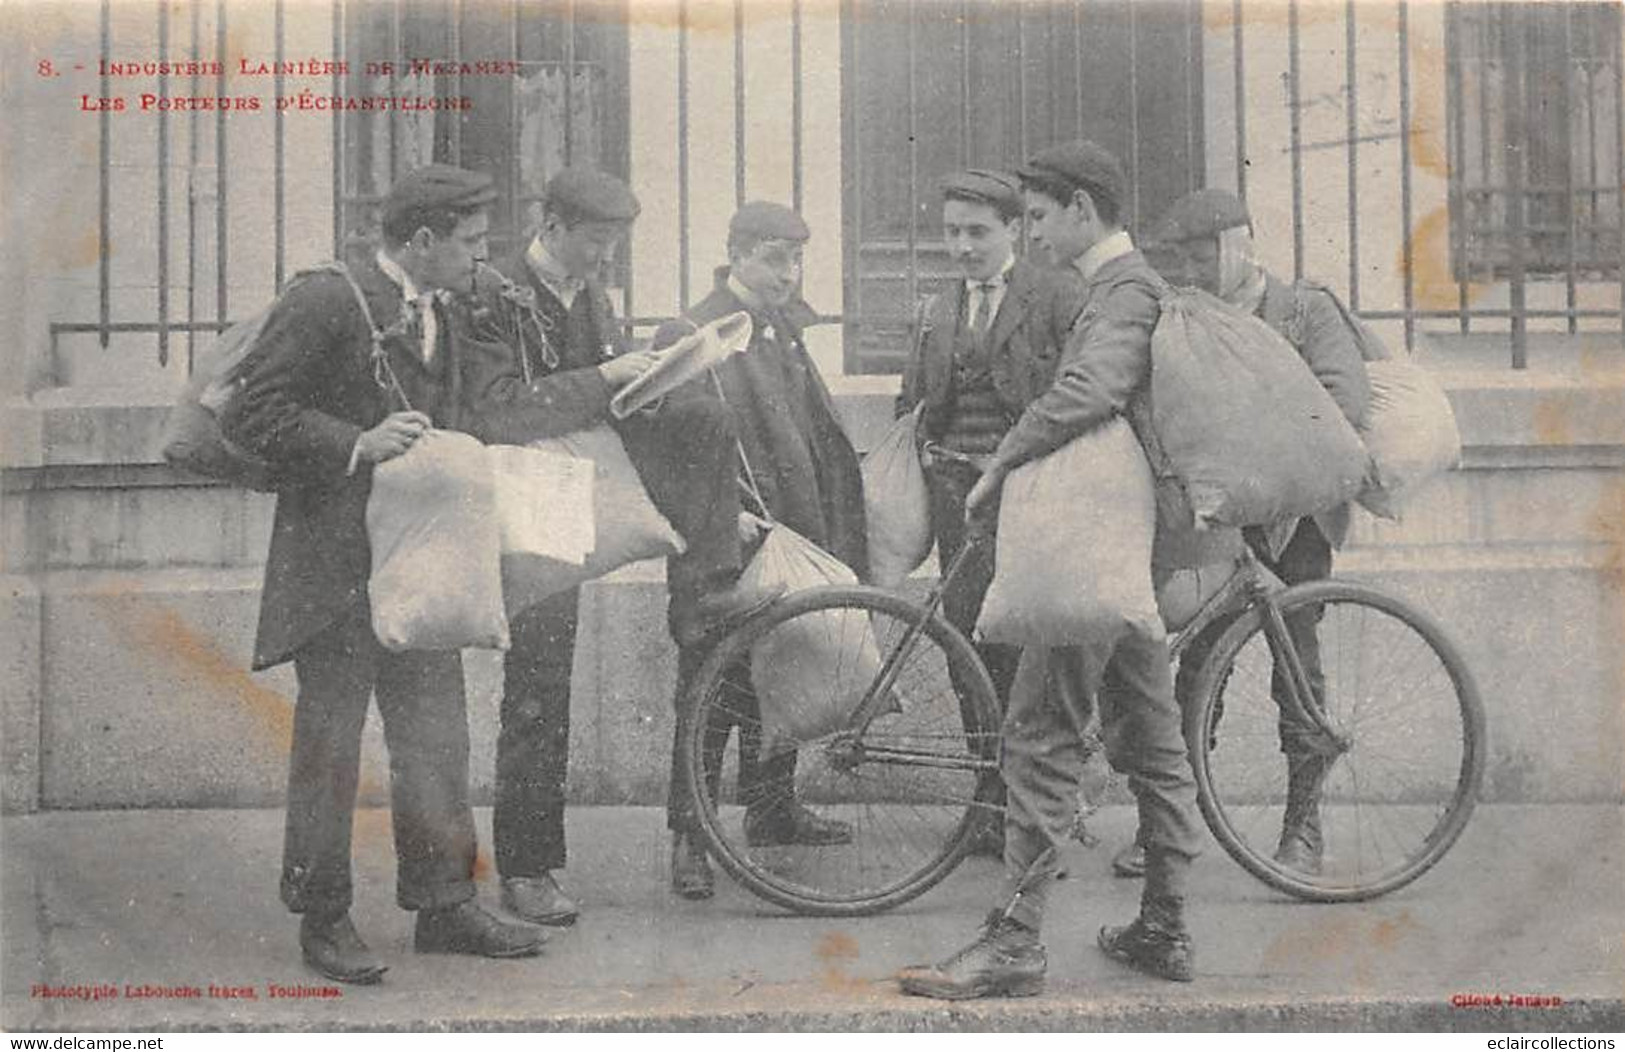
(852, 193)
(1050, 67)
(1570, 292)
(454, 30)
(104, 159)
(339, 167)
(964, 85)
(797, 178)
(191, 192)
(1454, 38)
(569, 80)
(1405, 172)
(1351, 71)
(1492, 312)
(163, 191)
(395, 63)
(1077, 61)
(1295, 119)
(682, 153)
(739, 102)
(1133, 118)
(1619, 159)
(515, 187)
(279, 153)
(1238, 44)
(914, 159)
(1193, 53)
(1516, 149)
(221, 217)
(1021, 75)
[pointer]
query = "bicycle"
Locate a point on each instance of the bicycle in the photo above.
(907, 768)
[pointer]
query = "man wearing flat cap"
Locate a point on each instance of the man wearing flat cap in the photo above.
(322, 411)
(987, 344)
(795, 455)
(1074, 196)
(1206, 240)
(546, 355)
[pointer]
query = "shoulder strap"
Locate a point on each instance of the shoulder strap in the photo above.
(383, 372)
(749, 480)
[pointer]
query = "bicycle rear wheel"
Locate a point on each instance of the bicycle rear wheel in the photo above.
(907, 785)
(1401, 702)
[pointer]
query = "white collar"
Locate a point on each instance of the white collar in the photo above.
(396, 273)
(551, 272)
(997, 281)
(1103, 252)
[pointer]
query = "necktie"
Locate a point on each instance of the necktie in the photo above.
(984, 311)
(428, 325)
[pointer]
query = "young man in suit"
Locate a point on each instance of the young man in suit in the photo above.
(545, 356)
(316, 404)
(1074, 195)
(988, 344)
(1205, 239)
(806, 471)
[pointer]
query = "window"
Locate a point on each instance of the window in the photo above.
(567, 105)
(1534, 134)
(932, 86)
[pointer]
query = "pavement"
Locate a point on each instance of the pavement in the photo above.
(1530, 903)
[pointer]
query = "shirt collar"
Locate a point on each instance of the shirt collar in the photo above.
(997, 281)
(396, 273)
(551, 272)
(1103, 252)
(746, 296)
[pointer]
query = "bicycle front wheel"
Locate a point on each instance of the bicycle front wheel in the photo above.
(1409, 726)
(897, 799)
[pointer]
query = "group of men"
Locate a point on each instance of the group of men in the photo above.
(1011, 363)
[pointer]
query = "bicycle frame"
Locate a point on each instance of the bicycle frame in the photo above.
(850, 741)
(1254, 586)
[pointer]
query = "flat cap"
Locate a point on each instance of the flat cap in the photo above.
(767, 221)
(1203, 213)
(585, 194)
(1079, 165)
(438, 186)
(999, 189)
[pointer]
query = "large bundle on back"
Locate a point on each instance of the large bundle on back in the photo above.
(1411, 434)
(1243, 422)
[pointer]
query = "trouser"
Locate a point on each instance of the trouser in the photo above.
(1306, 557)
(1043, 759)
(533, 738)
(685, 457)
(424, 713)
(949, 483)
(764, 782)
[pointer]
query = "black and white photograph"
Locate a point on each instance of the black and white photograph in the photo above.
(812, 515)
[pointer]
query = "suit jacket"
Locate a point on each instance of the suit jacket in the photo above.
(309, 390)
(509, 338)
(1024, 342)
(800, 457)
(1105, 368)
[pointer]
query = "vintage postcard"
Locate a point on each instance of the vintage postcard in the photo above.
(1152, 561)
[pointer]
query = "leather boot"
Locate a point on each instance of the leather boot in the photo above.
(1301, 845)
(691, 875)
(1005, 960)
(469, 928)
(1152, 948)
(331, 945)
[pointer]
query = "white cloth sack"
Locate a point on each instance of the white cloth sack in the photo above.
(627, 526)
(810, 672)
(1074, 555)
(1410, 433)
(896, 505)
(544, 503)
(1243, 421)
(436, 573)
